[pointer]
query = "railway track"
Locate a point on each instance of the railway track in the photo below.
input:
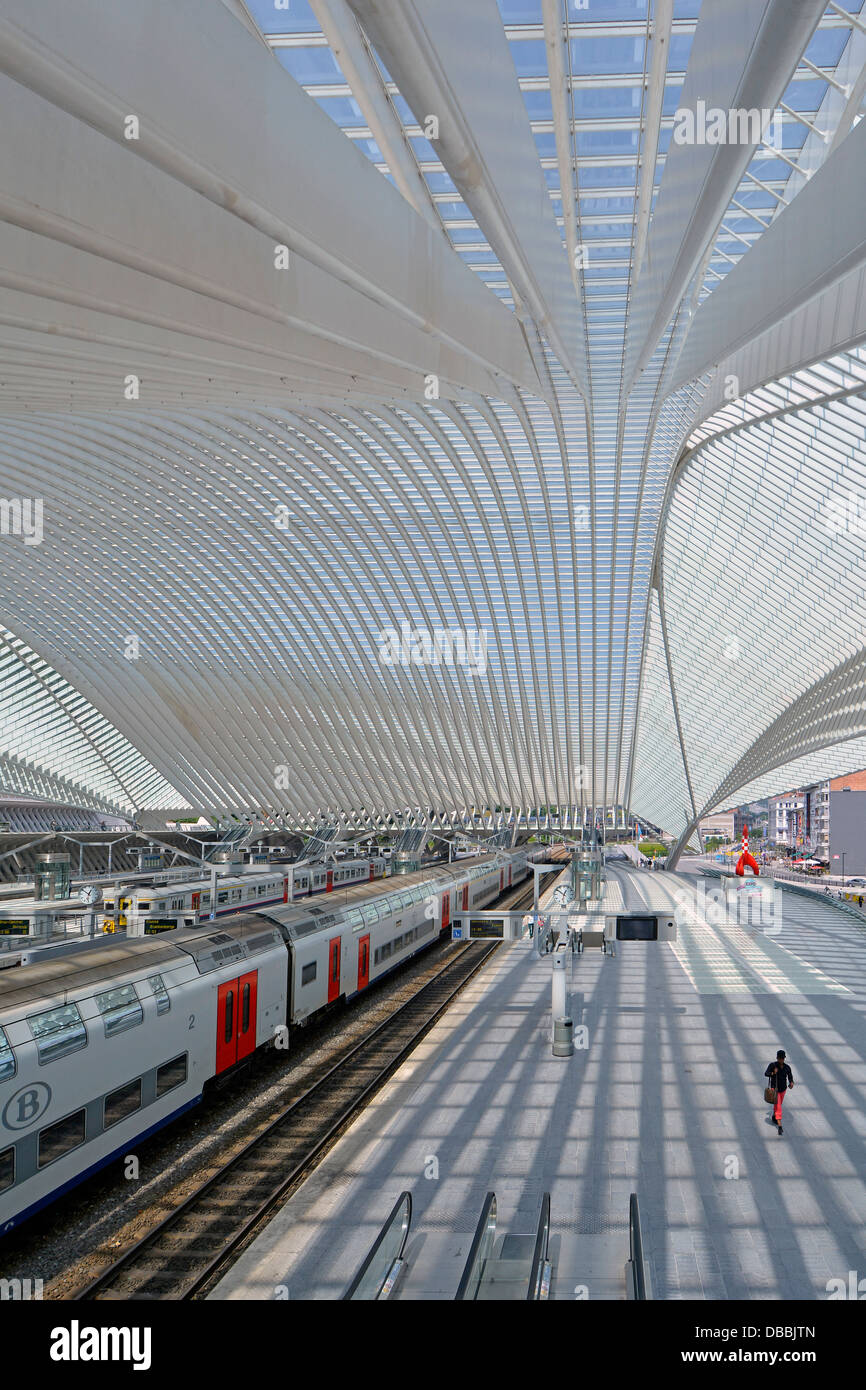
(515, 899)
(183, 1256)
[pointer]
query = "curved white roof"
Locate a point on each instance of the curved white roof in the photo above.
(375, 437)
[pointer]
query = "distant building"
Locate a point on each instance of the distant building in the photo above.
(720, 824)
(751, 817)
(834, 815)
(786, 819)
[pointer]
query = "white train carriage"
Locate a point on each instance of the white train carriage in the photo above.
(153, 908)
(337, 952)
(100, 1049)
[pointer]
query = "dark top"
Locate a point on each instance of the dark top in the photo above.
(780, 1074)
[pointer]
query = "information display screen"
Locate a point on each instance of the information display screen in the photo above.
(154, 925)
(486, 926)
(14, 927)
(637, 929)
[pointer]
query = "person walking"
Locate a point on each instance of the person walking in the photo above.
(781, 1079)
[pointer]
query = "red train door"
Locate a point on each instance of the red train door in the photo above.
(446, 912)
(246, 1026)
(501, 879)
(372, 871)
(363, 962)
(236, 1020)
(227, 1029)
(196, 901)
(329, 882)
(466, 897)
(510, 868)
(333, 969)
(285, 890)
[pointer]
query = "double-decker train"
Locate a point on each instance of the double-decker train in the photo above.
(150, 908)
(102, 1046)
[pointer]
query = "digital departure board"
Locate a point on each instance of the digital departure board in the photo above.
(486, 926)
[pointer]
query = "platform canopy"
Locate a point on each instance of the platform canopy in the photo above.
(421, 408)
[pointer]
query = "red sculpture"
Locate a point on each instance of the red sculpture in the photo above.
(746, 858)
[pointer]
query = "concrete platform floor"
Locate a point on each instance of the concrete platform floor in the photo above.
(666, 1100)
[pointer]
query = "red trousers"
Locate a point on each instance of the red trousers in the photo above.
(777, 1108)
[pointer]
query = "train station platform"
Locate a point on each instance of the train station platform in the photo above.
(665, 1100)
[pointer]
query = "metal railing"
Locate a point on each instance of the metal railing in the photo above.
(539, 1273)
(635, 1269)
(378, 1274)
(479, 1252)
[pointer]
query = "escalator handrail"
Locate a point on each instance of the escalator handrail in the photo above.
(635, 1242)
(539, 1254)
(487, 1217)
(405, 1198)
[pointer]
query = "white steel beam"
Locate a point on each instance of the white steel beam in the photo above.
(263, 170)
(700, 179)
(358, 66)
(431, 49)
(802, 254)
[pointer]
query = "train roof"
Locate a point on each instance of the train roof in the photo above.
(31, 983)
(250, 872)
(207, 946)
(302, 918)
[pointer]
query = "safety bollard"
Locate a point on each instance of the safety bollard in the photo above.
(563, 1037)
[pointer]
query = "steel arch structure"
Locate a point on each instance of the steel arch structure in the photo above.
(400, 440)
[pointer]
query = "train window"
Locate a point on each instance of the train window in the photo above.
(7, 1058)
(7, 1169)
(170, 1075)
(223, 897)
(61, 1138)
(144, 907)
(58, 1032)
(122, 1103)
(398, 943)
(120, 1009)
(229, 1015)
(160, 993)
(245, 1009)
(176, 904)
(237, 894)
(308, 973)
(205, 897)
